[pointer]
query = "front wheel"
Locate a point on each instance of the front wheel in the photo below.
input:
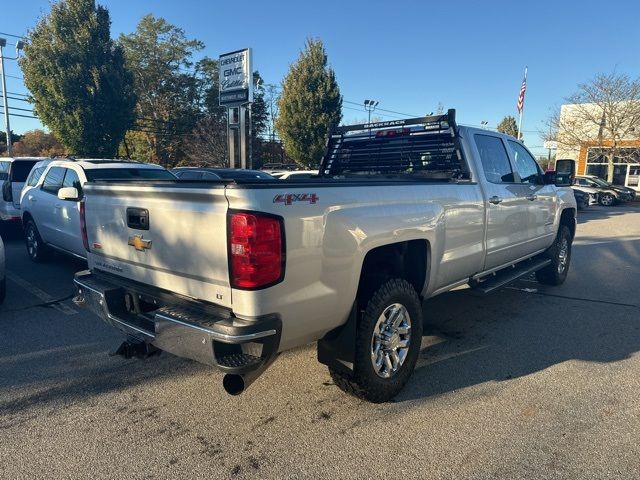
(388, 338)
(560, 254)
(607, 199)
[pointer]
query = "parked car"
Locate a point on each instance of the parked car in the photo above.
(198, 173)
(51, 205)
(585, 196)
(413, 211)
(296, 175)
(13, 173)
(607, 194)
(3, 275)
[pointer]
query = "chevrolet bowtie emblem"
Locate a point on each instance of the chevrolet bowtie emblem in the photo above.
(139, 243)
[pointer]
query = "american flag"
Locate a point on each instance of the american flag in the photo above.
(523, 89)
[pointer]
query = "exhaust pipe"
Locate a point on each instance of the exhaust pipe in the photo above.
(235, 384)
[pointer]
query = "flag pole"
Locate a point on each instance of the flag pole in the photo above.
(522, 109)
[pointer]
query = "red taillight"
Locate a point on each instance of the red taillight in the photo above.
(255, 250)
(83, 227)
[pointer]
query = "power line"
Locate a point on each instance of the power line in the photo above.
(19, 115)
(14, 36)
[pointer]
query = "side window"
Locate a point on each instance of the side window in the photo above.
(526, 165)
(71, 179)
(33, 177)
(494, 158)
(4, 170)
(53, 181)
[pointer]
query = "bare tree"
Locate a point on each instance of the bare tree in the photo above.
(603, 115)
(207, 143)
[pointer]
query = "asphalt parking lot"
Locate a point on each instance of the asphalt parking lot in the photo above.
(531, 382)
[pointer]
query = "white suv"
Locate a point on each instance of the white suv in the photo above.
(51, 207)
(13, 173)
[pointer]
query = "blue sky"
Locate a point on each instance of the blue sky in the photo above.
(409, 55)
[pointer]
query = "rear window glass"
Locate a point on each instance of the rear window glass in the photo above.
(20, 170)
(128, 174)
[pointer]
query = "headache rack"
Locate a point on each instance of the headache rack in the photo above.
(425, 147)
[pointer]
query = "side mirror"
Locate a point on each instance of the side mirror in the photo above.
(565, 173)
(68, 193)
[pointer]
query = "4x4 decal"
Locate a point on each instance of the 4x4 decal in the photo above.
(289, 198)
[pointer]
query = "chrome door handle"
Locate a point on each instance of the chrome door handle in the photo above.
(57, 205)
(532, 197)
(495, 200)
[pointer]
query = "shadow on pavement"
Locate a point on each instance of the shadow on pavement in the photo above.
(528, 328)
(598, 212)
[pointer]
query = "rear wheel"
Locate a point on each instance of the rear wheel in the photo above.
(36, 248)
(560, 255)
(388, 337)
(607, 199)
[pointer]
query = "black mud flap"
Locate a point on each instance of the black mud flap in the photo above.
(336, 349)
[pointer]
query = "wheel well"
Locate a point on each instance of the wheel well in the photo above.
(408, 260)
(26, 217)
(568, 218)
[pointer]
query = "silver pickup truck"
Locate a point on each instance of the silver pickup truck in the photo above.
(230, 273)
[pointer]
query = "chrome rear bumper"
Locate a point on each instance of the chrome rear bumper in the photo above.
(185, 328)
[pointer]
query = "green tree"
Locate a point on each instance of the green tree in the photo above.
(509, 126)
(77, 78)
(310, 105)
(159, 56)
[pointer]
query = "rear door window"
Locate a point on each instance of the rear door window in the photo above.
(494, 158)
(53, 181)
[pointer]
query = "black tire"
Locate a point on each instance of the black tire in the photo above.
(3, 290)
(556, 272)
(607, 199)
(36, 249)
(365, 382)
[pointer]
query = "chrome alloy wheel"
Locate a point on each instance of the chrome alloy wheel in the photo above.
(32, 242)
(563, 255)
(390, 340)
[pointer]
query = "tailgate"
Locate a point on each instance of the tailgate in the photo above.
(183, 246)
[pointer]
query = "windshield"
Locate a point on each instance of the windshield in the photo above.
(129, 174)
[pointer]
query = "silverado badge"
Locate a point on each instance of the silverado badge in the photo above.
(139, 243)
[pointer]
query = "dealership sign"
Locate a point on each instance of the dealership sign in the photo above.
(236, 85)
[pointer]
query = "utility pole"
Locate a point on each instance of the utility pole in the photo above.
(370, 106)
(5, 105)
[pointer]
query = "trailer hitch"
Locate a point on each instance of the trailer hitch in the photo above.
(135, 348)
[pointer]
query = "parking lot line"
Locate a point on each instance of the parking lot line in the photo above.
(40, 294)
